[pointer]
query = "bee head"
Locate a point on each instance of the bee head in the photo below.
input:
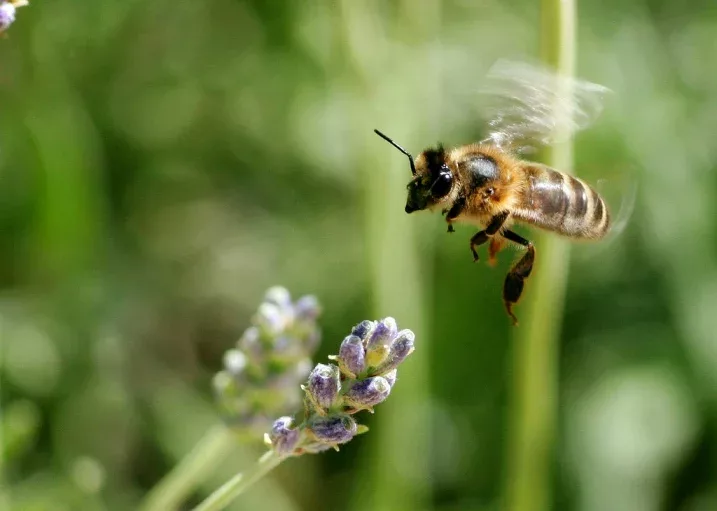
(432, 182)
(432, 177)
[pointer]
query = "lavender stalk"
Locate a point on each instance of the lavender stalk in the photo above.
(260, 380)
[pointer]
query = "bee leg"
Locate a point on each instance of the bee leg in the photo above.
(515, 280)
(482, 236)
(496, 245)
(454, 212)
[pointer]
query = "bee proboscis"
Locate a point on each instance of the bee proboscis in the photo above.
(486, 184)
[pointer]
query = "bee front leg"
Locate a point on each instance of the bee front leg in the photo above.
(515, 280)
(482, 236)
(454, 212)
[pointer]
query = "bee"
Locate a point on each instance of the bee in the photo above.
(488, 185)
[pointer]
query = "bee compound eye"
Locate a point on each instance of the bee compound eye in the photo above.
(442, 185)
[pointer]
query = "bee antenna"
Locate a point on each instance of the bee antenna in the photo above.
(394, 144)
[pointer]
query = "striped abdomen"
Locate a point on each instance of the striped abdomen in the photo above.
(563, 204)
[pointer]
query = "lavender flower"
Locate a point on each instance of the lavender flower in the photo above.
(378, 344)
(235, 363)
(383, 333)
(324, 385)
(334, 393)
(271, 318)
(351, 356)
(7, 12)
(282, 436)
(401, 347)
(363, 330)
(336, 429)
(307, 308)
(279, 296)
(365, 394)
(262, 372)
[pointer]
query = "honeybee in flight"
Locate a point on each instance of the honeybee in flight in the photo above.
(488, 185)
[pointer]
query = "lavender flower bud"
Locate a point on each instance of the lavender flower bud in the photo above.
(235, 362)
(324, 385)
(223, 384)
(283, 438)
(336, 429)
(384, 332)
(401, 347)
(270, 318)
(287, 348)
(351, 354)
(278, 296)
(307, 308)
(367, 393)
(363, 330)
(250, 343)
(7, 15)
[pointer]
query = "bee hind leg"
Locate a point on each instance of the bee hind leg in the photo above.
(482, 237)
(515, 280)
(496, 245)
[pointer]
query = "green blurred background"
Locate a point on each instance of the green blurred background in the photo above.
(162, 163)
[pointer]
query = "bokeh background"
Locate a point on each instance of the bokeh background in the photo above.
(163, 163)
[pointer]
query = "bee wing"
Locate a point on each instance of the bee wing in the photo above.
(529, 106)
(619, 191)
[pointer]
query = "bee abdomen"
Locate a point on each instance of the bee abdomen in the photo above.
(588, 216)
(564, 204)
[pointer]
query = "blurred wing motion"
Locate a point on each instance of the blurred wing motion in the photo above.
(620, 193)
(530, 106)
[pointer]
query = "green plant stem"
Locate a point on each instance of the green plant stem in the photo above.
(533, 421)
(230, 490)
(178, 484)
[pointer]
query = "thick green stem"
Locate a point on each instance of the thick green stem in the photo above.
(533, 420)
(190, 472)
(230, 490)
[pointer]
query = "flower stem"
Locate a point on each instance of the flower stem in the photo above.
(533, 421)
(230, 490)
(176, 486)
